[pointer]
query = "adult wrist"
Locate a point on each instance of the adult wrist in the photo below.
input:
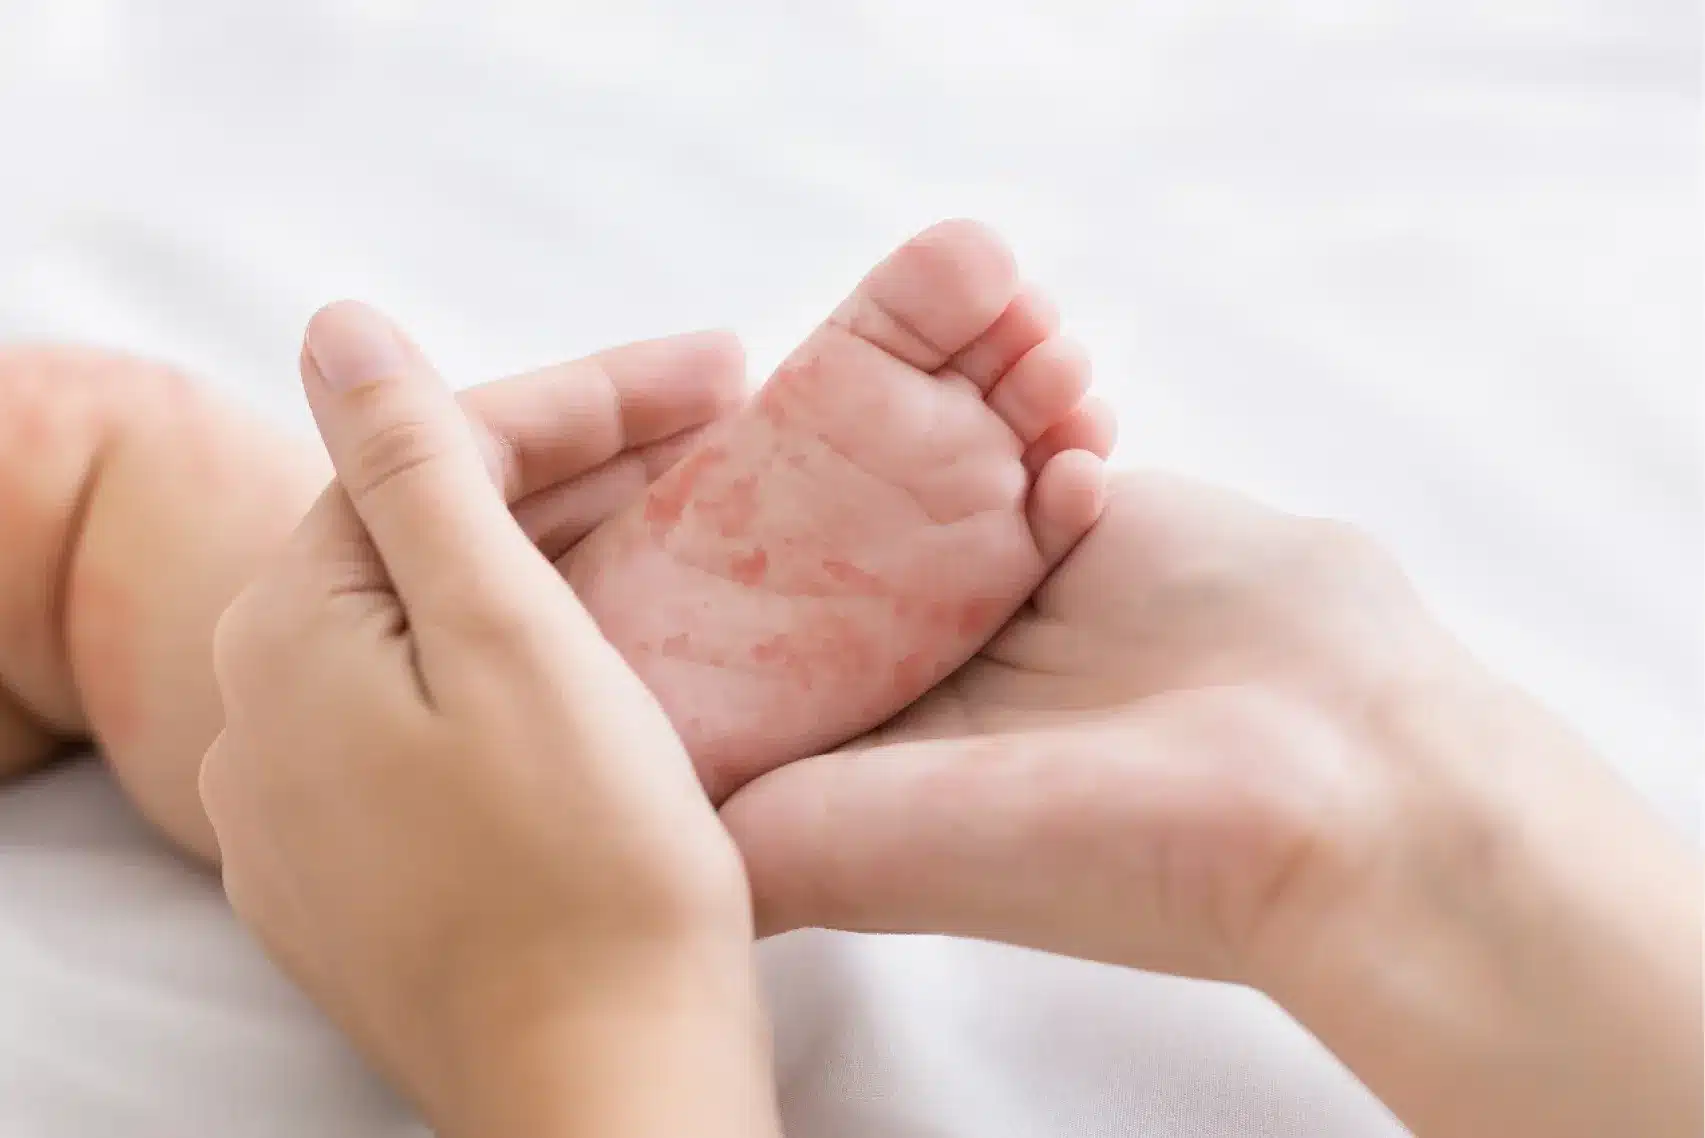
(1520, 953)
(667, 1040)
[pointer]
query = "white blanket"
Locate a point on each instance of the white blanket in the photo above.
(1431, 266)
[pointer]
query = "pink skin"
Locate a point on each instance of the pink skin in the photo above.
(810, 567)
(885, 503)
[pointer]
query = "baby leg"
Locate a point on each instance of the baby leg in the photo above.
(133, 507)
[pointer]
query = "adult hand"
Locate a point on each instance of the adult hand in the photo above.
(1230, 743)
(452, 813)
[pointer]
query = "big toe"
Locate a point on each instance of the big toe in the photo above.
(934, 295)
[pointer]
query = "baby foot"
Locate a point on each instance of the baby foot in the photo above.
(895, 492)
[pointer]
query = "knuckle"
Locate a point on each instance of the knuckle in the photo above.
(392, 452)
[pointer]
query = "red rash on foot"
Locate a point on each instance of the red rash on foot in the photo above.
(856, 579)
(668, 499)
(909, 676)
(780, 650)
(847, 646)
(770, 407)
(977, 615)
(676, 645)
(733, 512)
(771, 650)
(750, 569)
(665, 504)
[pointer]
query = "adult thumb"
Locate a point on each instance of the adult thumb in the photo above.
(1085, 840)
(405, 454)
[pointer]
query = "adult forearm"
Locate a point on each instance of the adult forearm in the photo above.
(1535, 967)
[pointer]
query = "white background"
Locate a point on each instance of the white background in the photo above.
(1434, 267)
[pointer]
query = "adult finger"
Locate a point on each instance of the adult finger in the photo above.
(560, 422)
(918, 836)
(1083, 842)
(405, 456)
(575, 442)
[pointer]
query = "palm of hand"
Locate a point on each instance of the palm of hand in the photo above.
(1201, 672)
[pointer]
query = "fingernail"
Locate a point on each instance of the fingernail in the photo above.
(352, 346)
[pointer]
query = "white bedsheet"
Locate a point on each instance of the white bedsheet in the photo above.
(1432, 266)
